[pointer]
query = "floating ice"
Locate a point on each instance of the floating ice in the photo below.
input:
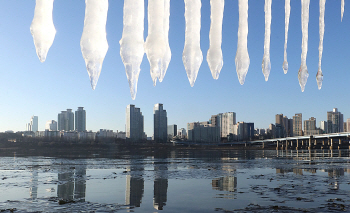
(42, 28)
(93, 42)
(155, 42)
(192, 56)
(242, 60)
(319, 75)
(131, 44)
(214, 55)
(266, 64)
(303, 73)
(167, 56)
(286, 27)
(342, 9)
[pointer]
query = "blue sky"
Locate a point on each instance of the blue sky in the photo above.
(30, 87)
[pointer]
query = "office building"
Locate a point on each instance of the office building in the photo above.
(134, 123)
(80, 120)
(172, 130)
(51, 125)
(33, 125)
(297, 124)
(335, 121)
(160, 123)
(65, 120)
(225, 123)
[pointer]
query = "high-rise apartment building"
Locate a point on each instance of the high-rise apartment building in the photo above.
(160, 123)
(324, 126)
(65, 120)
(34, 126)
(225, 123)
(134, 123)
(310, 127)
(297, 124)
(51, 125)
(283, 125)
(335, 121)
(348, 125)
(80, 120)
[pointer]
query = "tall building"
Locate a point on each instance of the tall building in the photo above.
(310, 127)
(335, 121)
(172, 130)
(160, 123)
(34, 123)
(243, 131)
(225, 123)
(51, 125)
(348, 125)
(65, 120)
(297, 124)
(134, 123)
(203, 132)
(282, 122)
(80, 120)
(324, 126)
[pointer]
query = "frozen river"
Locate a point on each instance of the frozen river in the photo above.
(178, 181)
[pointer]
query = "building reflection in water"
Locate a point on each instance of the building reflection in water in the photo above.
(160, 185)
(134, 185)
(33, 186)
(228, 183)
(72, 184)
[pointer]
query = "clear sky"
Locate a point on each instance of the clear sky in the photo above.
(30, 87)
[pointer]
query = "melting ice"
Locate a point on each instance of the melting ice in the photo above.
(319, 75)
(167, 56)
(286, 27)
(93, 42)
(155, 43)
(42, 28)
(303, 73)
(342, 9)
(214, 55)
(132, 42)
(242, 60)
(266, 64)
(192, 56)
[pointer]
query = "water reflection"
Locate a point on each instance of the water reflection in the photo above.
(134, 185)
(72, 183)
(160, 187)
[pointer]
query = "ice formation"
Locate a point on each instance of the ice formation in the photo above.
(319, 75)
(192, 56)
(242, 60)
(155, 42)
(342, 9)
(131, 44)
(93, 41)
(167, 56)
(303, 73)
(266, 64)
(214, 55)
(42, 28)
(286, 27)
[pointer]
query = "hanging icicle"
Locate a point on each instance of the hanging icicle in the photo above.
(131, 44)
(192, 56)
(303, 73)
(319, 75)
(266, 64)
(155, 41)
(167, 56)
(342, 9)
(93, 42)
(214, 55)
(286, 27)
(42, 28)
(242, 60)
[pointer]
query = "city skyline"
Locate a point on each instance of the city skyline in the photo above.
(62, 81)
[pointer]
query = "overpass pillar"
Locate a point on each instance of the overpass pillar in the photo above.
(331, 147)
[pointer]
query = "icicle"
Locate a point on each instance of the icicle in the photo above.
(192, 56)
(242, 60)
(342, 9)
(42, 28)
(214, 55)
(155, 43)
(167, 56)
(93, 42)
(286, 25)
(303, 73)
(266, 64)
(319, 75)
(131, 44)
